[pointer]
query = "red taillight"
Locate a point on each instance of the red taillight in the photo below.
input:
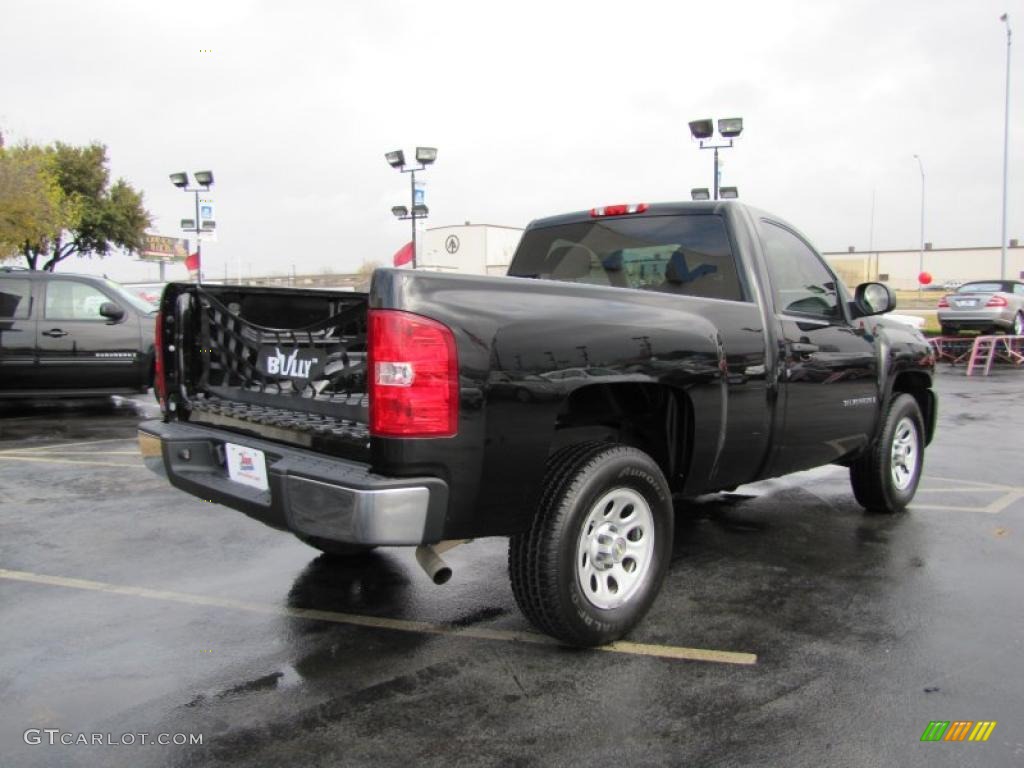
(944, 302)
(618, 210)
(159, 383)
(413, 376)
(996, 301)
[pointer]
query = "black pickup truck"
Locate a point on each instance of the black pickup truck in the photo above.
(64, 335)
(636, 355)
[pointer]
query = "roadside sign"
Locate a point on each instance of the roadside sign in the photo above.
(163, 248)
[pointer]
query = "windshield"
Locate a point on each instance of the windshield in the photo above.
(139, 303)
(981, 287)
(684, 254)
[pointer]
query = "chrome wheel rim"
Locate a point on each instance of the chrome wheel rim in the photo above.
(615, 548)
(904, 454)
(1018, 325)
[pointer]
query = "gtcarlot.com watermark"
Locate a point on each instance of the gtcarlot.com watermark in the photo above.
(55, 736)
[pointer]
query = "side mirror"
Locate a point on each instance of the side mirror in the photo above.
(111, 311)
(874, 299)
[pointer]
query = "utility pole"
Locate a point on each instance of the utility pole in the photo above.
(920, 258)
(1005, 18)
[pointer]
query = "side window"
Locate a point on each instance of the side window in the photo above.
(800, 282)
(15, 298)
(1019, 289)
(71, 300)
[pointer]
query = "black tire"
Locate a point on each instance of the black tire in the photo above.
(335, 548)
(950, 330)
(1017, 329)
(876, 485)
(630, 530)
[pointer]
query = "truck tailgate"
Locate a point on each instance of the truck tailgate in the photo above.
(280, 364)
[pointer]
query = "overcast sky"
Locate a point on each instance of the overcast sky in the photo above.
(536, 108)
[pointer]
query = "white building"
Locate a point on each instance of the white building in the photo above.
(469, 249)
(899, 269)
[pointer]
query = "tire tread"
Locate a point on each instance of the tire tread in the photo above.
(868, 474)
(533, 567)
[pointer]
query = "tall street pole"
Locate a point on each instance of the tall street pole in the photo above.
(920, 257)
(871, 240)
(1005, 18)
(716, 173)
(199, 243)
(412, 211)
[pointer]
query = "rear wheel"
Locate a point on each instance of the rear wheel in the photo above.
(885, 478)
(599, 547)
(1018, 324)
(335, 548)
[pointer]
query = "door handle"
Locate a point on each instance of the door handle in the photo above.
(803, 348)
(56, 333)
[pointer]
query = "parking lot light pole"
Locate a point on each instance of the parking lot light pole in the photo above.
(1005, 18)
(424, 156)
(920, 255)
(729, 128)
(204, 179)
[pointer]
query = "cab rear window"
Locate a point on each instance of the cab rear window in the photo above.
(688, 255)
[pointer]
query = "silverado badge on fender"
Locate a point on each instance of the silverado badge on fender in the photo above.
(294, 364)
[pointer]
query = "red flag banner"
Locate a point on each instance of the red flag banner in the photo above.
(403, 255)
(192, 262)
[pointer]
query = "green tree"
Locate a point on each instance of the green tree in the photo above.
(32, 205)
(88, 216)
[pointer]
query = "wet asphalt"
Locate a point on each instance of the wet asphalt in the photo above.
(193, 619)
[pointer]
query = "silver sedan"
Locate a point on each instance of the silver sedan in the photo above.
(984, 305)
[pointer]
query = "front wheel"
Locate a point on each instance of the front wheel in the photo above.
(599, 547)
(885, 478)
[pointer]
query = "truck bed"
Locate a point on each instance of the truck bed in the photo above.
(232, 350)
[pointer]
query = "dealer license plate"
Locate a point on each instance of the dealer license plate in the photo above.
(247, 466)
(966, 303)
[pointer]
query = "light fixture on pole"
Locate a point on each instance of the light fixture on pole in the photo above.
(728, 128)
(729, 193)
(424, 156)
(198, 225)
(920, 257)
(700, 193)
(1005, 18)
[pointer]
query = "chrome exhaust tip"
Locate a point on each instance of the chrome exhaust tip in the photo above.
(432, 563)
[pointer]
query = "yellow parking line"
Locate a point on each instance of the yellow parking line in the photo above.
(16, 453)
(999, 505)
(980, 485)
(43, 460)
(962, 490)
(1008, 496)
(376, 622)
(69, 445)
(944, 508)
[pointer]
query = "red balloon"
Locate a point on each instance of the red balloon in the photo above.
(925, 278)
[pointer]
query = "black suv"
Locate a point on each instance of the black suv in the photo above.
(72, 335)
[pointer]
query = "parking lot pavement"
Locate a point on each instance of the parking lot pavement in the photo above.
(793, 628)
